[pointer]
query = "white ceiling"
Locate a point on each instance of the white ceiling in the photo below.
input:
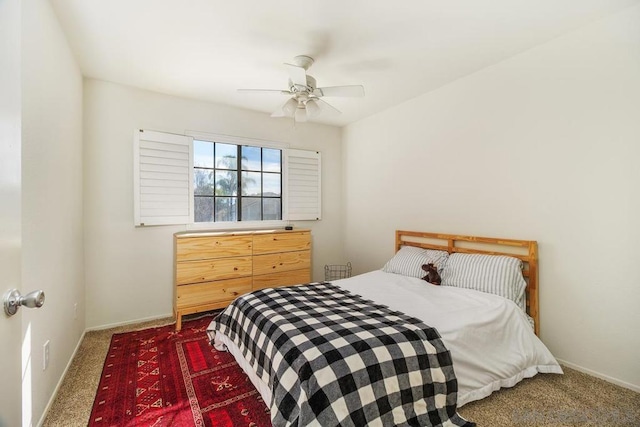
(206, 49)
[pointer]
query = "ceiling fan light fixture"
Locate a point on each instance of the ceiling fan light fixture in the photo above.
(290, 107)
(301, 114)
(312, 108)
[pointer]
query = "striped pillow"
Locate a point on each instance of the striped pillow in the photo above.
(408, 261)
(494, 274)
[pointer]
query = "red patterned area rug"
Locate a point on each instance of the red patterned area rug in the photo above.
(160, 377)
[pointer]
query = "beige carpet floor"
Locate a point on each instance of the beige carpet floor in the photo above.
(572, 399)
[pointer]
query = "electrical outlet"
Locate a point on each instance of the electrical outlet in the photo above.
(45, 358)
(75, 310)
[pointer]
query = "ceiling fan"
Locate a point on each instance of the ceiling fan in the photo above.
(304, 102)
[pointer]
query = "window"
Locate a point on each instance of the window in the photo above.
(226, 189)
(231, 182)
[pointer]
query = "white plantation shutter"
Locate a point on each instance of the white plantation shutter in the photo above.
(302, 185)
(163, 184)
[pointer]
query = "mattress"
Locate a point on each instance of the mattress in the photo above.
(490, 338)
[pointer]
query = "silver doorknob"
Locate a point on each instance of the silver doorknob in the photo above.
(13, 300)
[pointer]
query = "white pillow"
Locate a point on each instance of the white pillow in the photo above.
(408, 261)
(494, 274)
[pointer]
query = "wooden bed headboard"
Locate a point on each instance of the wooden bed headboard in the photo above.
(526, 250)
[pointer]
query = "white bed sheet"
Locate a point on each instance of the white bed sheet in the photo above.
(491, 341)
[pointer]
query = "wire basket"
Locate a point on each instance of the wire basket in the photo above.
(337, 271)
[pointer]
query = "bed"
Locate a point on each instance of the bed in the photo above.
(485, 339)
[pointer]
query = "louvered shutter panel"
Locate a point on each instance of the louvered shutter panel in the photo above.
(303, 188)
(163, 185)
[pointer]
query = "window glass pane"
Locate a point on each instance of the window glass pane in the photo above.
(203, 209)
(226, 183)
(250, 158)
(272, 209)
(251, 209)
(226, 209)
(219, 189)
(226, 156)
(251, 184)
(203, 182)
(271, 160)
(271, 184)
(203, 154)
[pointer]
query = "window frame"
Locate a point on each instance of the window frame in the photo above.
(240, 141)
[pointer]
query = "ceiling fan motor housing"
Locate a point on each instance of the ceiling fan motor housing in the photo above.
(311, 86)
(303, 61)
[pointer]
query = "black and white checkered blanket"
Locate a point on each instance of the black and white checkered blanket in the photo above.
(335, 359)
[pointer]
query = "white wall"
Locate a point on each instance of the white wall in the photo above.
(542, 146)
(129, 271)
(52, 196)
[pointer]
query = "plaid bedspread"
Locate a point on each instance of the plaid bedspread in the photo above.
(332, 358)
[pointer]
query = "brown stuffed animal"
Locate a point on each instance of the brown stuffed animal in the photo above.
(432, 274)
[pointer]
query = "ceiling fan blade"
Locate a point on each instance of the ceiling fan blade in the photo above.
(353, 91)
(282, 92)
(297, 75)
(326, 108)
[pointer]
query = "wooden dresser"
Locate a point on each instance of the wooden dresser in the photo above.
(212, 268)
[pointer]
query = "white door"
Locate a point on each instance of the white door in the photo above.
(10, 190)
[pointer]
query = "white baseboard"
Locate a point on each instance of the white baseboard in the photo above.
(128, 322)
(607, 378)
(62, 377)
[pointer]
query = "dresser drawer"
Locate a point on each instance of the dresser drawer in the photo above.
(285, 261)
(281, 242)
(211, 292)
(212, 269)
(194, 248)
(284, 278)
